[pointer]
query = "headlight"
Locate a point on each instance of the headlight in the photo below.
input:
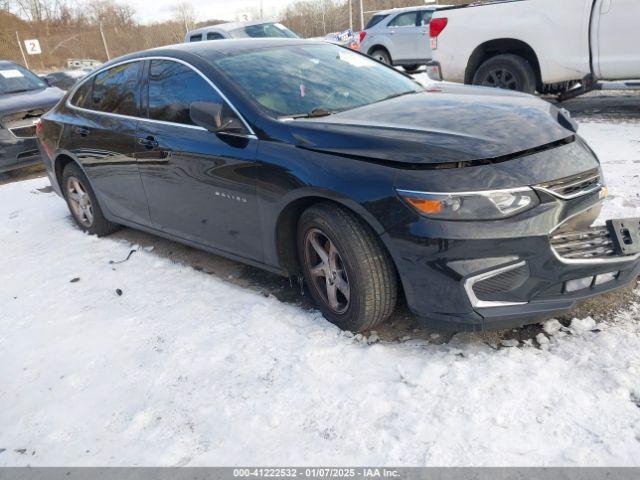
(483, 205)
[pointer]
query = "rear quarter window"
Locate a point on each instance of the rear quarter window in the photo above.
(116, 90)
(83, 95)
(373, 21)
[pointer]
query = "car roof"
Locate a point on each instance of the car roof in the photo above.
(410, 9)
(227, 46)
(211, 50)
(227, 27)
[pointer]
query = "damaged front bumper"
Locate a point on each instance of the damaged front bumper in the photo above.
(585, 263)
(489, 275)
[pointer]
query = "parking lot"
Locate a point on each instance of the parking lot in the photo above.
(133, 350)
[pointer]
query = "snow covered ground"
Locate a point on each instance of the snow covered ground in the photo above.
(185, 369)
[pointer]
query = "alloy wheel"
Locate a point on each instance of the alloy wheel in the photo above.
(501, 78)
(80, 202)
(327, 271)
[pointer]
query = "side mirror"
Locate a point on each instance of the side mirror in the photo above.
(209, 115)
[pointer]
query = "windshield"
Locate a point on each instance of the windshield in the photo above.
(263, 30)
(294, 80)
(15, 79)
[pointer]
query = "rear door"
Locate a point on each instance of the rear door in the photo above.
(404, 33)
(200, 185)
(618, 40)
(101, 134)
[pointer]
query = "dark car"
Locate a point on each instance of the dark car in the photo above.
(23, 99)
(64, 79)
(309, 159)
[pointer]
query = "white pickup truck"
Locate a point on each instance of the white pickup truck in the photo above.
(561, 47)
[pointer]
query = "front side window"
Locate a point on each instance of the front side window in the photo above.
(17, 79)
(408, 19)
(294, 80)
(116, 90)
(214, 36)
(264, 30)
(172, 88)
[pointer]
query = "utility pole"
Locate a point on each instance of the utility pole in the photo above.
(104, 42)
(361, 16)
(350, 16)
(24, 57)
(261, 9)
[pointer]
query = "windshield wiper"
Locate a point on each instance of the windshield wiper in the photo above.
(316, 112)
(20, 91)
(396, 95)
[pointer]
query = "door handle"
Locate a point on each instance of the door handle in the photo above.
(82, 131)
(147, 142)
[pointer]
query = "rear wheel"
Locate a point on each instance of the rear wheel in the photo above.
(83, 203)
(381, 55)
(349, 274)
(510, 72)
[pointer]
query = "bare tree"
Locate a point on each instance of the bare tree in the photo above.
(184, 14)
(109, 12)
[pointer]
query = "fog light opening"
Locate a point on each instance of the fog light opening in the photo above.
(606, 277)
(579, 284)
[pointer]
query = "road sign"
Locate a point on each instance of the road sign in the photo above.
(33, 47)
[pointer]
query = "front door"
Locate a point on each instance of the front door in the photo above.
(200, 185)
(618, 37)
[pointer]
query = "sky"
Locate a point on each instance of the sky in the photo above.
(159, 10)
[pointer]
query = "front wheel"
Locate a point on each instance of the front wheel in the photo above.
(510, 72)
(348, 272)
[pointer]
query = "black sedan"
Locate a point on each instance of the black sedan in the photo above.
(308, 159)
(23, 99)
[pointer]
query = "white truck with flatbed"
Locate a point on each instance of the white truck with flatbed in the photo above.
(562, 47)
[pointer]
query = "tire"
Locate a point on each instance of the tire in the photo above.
(508, 71)
(381, 55)
(411, 68)
(83, 204)
(358, 258)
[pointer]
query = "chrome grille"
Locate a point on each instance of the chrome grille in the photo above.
(26, 131)
(575, 185)
(586, 244)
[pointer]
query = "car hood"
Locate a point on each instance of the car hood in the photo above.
(43, 98)
(443, 124)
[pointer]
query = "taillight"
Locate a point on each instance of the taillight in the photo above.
(436, 26)
(362, 35)
(38, 128)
